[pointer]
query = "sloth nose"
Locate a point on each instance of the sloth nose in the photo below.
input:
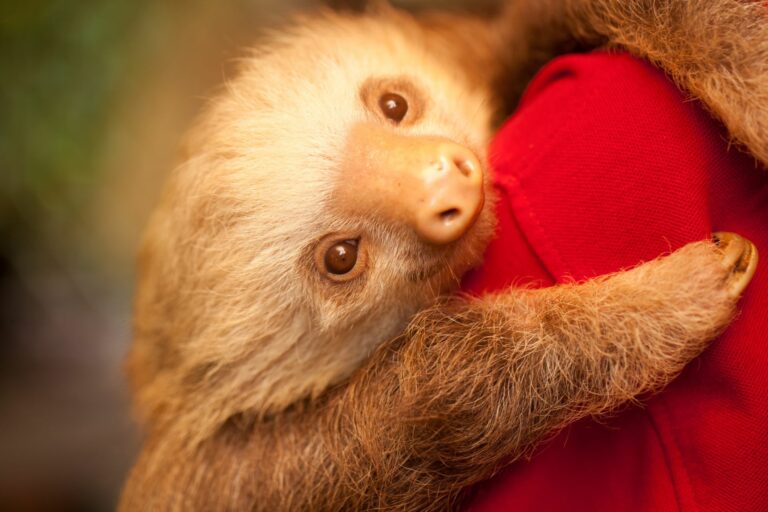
(432, 185)
(452, 194)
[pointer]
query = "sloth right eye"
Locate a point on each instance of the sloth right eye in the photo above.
(341, 257)
(393, 106)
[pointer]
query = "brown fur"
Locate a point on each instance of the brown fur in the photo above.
(263, 386)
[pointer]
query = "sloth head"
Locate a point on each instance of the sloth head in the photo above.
(336, 187)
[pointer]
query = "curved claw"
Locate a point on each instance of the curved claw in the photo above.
(740, 256)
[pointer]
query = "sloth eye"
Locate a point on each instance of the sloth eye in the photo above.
(341, 257)
(393, 106)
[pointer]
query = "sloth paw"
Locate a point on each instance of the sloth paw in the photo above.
(739, 257)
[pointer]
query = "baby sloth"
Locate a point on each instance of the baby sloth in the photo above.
(295, 344)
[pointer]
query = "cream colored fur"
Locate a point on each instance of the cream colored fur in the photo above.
(224, 322)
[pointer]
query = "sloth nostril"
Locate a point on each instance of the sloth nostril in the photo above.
(449, 215)
(466, 167)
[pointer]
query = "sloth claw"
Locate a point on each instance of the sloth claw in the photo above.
(740, 257)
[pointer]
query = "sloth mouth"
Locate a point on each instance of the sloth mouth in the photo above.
(447, 268)
(452, 261)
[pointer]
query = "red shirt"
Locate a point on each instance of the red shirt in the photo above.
(605, 164)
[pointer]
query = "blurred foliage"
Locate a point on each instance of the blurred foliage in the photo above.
(62, 66)
(93, 98)
(70, 69)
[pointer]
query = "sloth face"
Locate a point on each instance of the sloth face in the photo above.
(336, 187)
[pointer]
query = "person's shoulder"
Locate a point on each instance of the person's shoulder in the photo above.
(606, 143)
(604, 74)
(614, 90)
(615, 100)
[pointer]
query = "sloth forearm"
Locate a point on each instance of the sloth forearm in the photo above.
(469, 387)
(477, 384)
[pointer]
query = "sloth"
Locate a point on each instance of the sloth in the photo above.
(298, 342)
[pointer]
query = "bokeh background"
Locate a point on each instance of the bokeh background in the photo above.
(95, 96)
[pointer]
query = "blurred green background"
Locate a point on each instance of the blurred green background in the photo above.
(94, 99)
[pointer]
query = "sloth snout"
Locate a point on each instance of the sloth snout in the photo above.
(433, 185)
(452, 195)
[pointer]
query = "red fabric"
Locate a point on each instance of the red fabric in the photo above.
(606, 164)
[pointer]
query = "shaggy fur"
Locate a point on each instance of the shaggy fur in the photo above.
(229, 314)
(262, 385)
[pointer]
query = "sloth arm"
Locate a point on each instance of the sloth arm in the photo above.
(475, 384)
(472, 385)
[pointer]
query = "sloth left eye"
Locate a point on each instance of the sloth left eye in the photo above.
(393, 106)
(341, 257)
